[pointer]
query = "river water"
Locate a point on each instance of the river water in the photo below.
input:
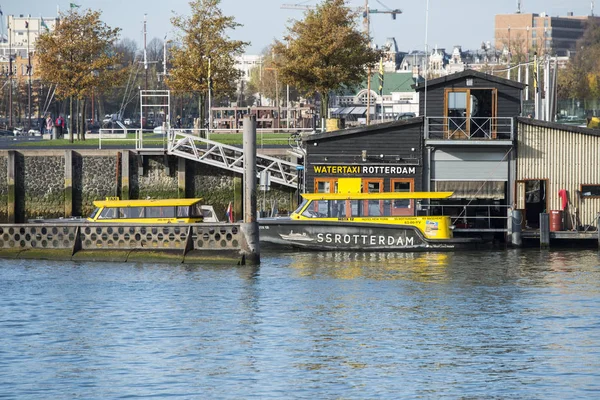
(497, 324)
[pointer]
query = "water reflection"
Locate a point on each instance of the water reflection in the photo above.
(369, 265)
(494, 324)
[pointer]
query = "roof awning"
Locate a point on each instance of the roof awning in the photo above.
(472, 189)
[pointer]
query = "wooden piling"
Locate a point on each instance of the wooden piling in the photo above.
(544, 230)
(250, 225)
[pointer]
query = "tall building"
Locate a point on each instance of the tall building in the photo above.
(540, 33)
(22, 33)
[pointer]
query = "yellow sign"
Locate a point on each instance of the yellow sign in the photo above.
(364, 170)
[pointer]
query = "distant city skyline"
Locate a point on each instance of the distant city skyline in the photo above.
(468, 23)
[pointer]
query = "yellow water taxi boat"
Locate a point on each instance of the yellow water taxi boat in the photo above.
(155, 211)
(362, 221)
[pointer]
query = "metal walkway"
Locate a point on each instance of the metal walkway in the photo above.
(229, 157)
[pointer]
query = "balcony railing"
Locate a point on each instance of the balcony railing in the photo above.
(469, 128)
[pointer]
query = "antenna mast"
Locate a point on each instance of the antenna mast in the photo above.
(145, 55)
(518, 6)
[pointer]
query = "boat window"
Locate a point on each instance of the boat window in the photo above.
(356, 208)
(375, 208)
(297, 211)
(108, 213)
(94, 213)
(160, 212)
(131, 212)
(183, 212)
(196, 211)
(338, 208)
(317, 208)
(387, 208)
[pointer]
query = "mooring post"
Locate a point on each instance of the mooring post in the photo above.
(12, 187)
(68, 183)
(544, 230)
(125, 175)
(598, 227)
(517, 220)
(250, 225)
(181, 171)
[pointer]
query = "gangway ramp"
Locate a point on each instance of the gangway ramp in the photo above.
(228, 157)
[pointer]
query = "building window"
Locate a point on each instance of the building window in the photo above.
(470, 113)
(590, 190)
(325, 185)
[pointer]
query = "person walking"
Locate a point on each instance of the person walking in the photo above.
(49, 125)
(58, 127)
(62, 125)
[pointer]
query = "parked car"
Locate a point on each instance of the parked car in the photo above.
(406, 115)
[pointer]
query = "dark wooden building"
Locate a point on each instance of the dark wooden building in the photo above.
(470, 137)
(464, 143)
(384, 157)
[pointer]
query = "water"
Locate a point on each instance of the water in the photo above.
(508, 324)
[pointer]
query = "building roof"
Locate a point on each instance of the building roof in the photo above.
(392, 82)
(444, 80)
(562, 127)
(363, 129)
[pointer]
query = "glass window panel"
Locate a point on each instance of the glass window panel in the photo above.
(131, 212)
(152, 212)
(457, 100)
(108, 213)
(356, 208)
(323, 187)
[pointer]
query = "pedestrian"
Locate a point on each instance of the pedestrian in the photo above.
(49, 125)
(178, 122)
(42, 125)
(62, 125)
(58, 127)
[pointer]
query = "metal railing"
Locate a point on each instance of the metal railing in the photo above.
(469, 128)
(220, 155)
(476, 217)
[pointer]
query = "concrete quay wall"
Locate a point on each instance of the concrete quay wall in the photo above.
(64, 183)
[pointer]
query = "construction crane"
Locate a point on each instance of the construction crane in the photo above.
(366, 11)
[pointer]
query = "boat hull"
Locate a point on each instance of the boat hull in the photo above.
(324, 235)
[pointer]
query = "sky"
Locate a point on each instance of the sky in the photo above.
(467, 23)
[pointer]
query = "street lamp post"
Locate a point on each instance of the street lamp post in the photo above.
(527, 71)
(509, 54)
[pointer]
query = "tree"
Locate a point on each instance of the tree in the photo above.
(203, 41)
(127, 49)
(325, 52)
(581, 78)
(77, 57)
(265, 79)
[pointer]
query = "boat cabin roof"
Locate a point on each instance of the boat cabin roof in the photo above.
(378, 196)
(147, 203)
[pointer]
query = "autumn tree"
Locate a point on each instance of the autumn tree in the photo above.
(325, 52)
(265, 80)
(581, 78)
(202, 41)
(77, 57)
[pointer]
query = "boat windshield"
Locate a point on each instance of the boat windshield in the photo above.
(301, 206)
(94, 213)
